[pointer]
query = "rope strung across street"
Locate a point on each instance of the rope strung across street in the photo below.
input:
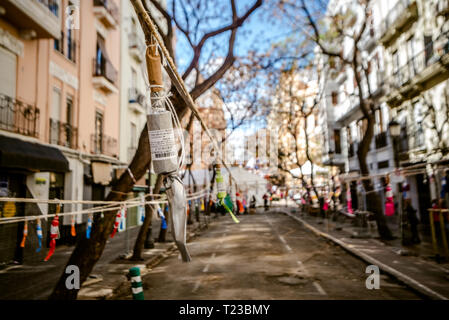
(108, 208)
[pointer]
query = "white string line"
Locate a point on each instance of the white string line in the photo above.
(92, 202)
(408, 171)
(86, 211)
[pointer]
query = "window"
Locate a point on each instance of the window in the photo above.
(8, 66)
(98, 142)
(418, 120)
(70, 45)
(337, 141)
(58, 44)
(55, 116)
(69, 131)
(379, 128)
(428, 47)
(383, 164)
(334, 98)
(395, 61)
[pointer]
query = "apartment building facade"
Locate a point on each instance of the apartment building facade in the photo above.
(415, 38)
(405, 49)
(59, 101)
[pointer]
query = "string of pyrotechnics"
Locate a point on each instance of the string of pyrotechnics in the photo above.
(177, 80)
(409, 171)
(108, 208)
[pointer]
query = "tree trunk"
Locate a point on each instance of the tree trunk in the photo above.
(88, 251)
(374, 203)
(149, 211)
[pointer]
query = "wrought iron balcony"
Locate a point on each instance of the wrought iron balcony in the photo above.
(18, 117)
(66, 46)
(63, 134)
(442, 7)
(427, 67)
(398, 19)
(39, 18)
(107, 12)
(105, 75)
(103, 144)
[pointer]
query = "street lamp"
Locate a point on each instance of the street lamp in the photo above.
(395, 132)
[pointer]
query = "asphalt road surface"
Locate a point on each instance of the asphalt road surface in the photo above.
(266, 256)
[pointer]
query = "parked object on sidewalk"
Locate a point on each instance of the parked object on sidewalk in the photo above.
(413, 220)
(436, 211)
(136, 283)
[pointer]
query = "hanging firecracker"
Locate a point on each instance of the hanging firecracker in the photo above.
(443, 187)
(54, 234)
(39, 235)
(223, 198)
(89, 226)
(389, 203)
(116, 223)
(202, 205)
(239, 202)
(349, 199)
(25, 234)
(72, 227)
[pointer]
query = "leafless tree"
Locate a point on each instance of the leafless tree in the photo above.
(198, 31)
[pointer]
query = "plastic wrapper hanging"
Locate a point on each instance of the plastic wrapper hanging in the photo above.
(178, 212)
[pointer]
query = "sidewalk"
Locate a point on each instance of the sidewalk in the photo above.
(111, 277)
(412, 265)
(35, 280)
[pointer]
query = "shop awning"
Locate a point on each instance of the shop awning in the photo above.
(19, 154)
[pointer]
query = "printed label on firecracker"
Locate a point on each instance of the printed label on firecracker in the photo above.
(163, 144)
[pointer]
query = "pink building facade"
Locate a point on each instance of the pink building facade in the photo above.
(59, 108)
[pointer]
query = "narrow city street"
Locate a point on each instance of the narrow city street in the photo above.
(267, 256)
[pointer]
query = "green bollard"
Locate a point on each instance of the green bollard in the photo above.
(136, 283)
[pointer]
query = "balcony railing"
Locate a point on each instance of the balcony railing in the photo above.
(52, 5)
(111, 8)
(381, 140)
(39, 19)
(63, 134)
(431, 54)
(397, 18)
(102, 144)
(104, 68)
(69, 51)
(18, 117)
(442, 7)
